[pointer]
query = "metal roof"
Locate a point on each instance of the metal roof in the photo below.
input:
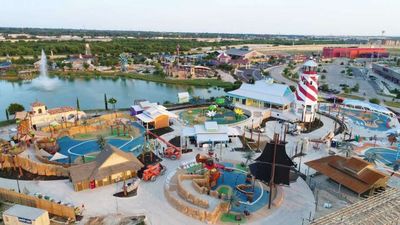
(25, 212)
(278, 94)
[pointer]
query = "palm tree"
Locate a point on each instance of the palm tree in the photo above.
(248, 155)
(102, 142)
(371, 157)
(233, 200)
(112, 101)
(346, 148)
(396, 166)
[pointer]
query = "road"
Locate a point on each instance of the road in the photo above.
(276, 73)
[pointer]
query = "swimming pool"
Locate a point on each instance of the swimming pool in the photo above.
(74, 148)
(236, 177)
(387, 155)
(367, 119)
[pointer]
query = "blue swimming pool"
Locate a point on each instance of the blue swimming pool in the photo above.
(368, 119)
(386, 156)
(236, 177)
(76, 148)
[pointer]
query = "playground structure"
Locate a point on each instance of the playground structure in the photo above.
(153, 171)
(171, 152)
(211, 174)
(120, 128)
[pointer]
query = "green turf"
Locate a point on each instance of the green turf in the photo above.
(393, 104)
(194, 169)
(224, 190)
(230, 218)
(240, 167)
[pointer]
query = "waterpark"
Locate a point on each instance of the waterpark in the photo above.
(215, 162)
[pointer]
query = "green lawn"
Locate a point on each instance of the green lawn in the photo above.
(6, 122)
(230, 218)
(393, 104)
(223, 189)
(153, 78)
(351, 96)
(240, 167)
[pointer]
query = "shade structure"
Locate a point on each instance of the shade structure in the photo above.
(261, 169)
(58, 156)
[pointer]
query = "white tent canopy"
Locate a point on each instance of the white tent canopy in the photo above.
(58, 156)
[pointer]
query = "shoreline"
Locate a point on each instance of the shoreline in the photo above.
(115, 75)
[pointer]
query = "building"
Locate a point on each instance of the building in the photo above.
(188, 71)
(390, 73)
(78, 62)
(5, 66)
(210, 133)
(235, 54)
(307, 92)
(183, 97)
(110, 166)
(354, 52)
(154, 116)
(354, 173)
(40, 116)
(263, 94)
(22, 215)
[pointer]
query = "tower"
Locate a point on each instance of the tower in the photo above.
(307, 92)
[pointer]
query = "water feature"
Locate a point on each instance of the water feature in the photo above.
(44, 82)
(91, 92)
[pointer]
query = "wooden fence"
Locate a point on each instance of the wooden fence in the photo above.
(52, 207)
(9, 161)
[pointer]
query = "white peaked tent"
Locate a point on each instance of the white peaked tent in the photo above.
(58, 156)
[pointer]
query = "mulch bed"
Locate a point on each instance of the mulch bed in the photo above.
(14, 174)
(161, 131)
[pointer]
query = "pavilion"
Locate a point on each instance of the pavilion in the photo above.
(210, 133)
(110, 166)
(354, 173)
(152, 115)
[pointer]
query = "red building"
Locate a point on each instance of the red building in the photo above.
(354, 52)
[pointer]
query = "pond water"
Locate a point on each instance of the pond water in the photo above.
(91, 92)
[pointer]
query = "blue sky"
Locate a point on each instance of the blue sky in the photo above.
(320, 17)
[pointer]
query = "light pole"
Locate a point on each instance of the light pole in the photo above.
(251, 130)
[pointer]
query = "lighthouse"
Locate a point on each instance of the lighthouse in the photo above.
(307, 92)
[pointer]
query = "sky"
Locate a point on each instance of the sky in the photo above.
(308, 17)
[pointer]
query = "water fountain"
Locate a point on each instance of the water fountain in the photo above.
(44, 82)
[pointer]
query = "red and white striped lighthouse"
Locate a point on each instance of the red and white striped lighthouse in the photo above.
(307, 92)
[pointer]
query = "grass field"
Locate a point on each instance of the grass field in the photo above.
(393, 104)
(351, 96)
(230, 218)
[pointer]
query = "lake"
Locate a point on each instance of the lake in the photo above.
(91, 92)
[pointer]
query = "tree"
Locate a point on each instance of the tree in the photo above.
(371, 157)
(112, 101)
(86, 66)
(248, 156)
(396, 167)
(102, 142)
(356, 88)
(15, 107)
(233, 200)
(105, 102)
(346, 148)
(7, 116)
(78, 107)
(323, 77)
(375, 101)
